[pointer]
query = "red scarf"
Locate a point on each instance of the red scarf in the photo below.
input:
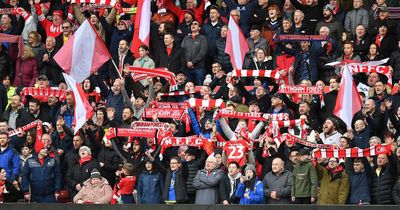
(378, 39)
(84, 160)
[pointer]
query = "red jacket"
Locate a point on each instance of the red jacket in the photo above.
(26, 72)
(126, 185)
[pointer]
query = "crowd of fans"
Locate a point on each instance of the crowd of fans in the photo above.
(188, 37)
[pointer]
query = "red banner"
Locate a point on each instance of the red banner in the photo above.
(131, 132)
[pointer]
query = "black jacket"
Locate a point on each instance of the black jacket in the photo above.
(22, 119)
(180, 184)
(381, 188)
(80, 173)
(175, 62)
(111, 161)
(51, 69)
(225, 189)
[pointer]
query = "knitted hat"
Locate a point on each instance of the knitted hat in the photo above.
(95, 174)
(190, 12)
(250, 167)
(328, 7)
(127, 23)
(87, 149)
(59, 13)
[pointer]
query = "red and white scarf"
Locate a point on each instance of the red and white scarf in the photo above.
(131, 132)
(169, 113)
(169, 76)
(256, 73)
(23, 128)
(353, 152)
(212, 103)
(178, 93)
(191, 141)
(169, 105)
(44, 93)
(370, 68)
(148, 124)
(296, 89)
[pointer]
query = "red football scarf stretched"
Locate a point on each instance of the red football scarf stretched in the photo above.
(193, 102)
(256, 73)
(296, 89)
(353, 152)
(288, 123)
(23, 128)
(178, 93)
(148, 124)
(43, 93)
(191, 141)
(169, 113)
(169, 76)
(297, 38)
(366, 68)
(251, 116)
(131, 132)
(169, 105)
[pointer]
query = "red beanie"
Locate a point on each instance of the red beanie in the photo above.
(58, 12)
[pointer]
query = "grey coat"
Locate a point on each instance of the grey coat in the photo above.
(195, 49)
(282, 184)
(207, 186)
(354, 18)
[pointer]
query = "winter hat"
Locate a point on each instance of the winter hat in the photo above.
(95, 174)
(328, 7)
(87, 149)
(190, 12)
(250, 167)
(304, 151)
(59, 13)
(127, 23)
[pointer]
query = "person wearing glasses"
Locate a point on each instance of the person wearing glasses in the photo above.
(334, 187)
(67, 31)
(175, 182)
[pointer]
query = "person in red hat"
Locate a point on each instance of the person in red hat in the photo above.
(53, 28)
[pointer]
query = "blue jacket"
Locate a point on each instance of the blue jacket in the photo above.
(195, 125)
(43, 179)
(150, 187)
(256, 196)
(10, 161)
(359, 188)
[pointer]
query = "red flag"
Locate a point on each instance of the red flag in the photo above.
(83, 54)
(82, 110)
(141, 35)
(236, 44)
(348, 101)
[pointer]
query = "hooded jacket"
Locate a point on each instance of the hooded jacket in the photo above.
(101, 193)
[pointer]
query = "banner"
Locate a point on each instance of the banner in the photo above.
(190, 141)
(296, 89)
(298, 38)
(148, 124)
(131, 132)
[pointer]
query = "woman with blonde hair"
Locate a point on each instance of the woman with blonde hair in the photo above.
(34, 41)
(26, 69)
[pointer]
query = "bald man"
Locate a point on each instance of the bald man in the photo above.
(206, 182)
(278, 183)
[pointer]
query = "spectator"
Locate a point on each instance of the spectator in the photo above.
(175, 182)
(359, 179)
(171, 56)
(361, 41)
(206, 182)
(11, 191)
(9, 158)
(26, 70)
(195, 47)
(255, 41)
(150, 184)
(395, 63)
(15, 115)
(383, 179)
(299, 26)
(385, 41)
(212, 30)
(305, 180)
(355, 17)
(334, 187)
(229, 184)
(41, 177)
(250, 189)
(127, 184)
(95, 190)
(46, 64)
(278, 183)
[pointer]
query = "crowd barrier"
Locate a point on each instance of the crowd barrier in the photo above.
(31, 206)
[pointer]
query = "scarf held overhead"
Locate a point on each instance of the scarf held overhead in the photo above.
(169, 76)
